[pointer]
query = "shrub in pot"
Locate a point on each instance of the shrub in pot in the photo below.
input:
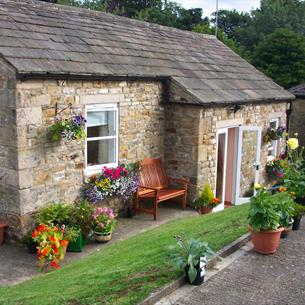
(81, 215)
(73, 235)
(285, 205)
(56, 213)
(206, 202)
(298, 213)
(265, 222)
(191, 257)
(103, 223)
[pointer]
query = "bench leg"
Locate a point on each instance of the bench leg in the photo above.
(137, 204)
(184, 201)
(155, 210)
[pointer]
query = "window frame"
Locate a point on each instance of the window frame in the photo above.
(90, 170)
(274, 143)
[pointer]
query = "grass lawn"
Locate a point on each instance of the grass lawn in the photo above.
(127, 271)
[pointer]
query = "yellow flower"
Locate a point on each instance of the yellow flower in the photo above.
(282, 189)
(293, 143)
(257, 186)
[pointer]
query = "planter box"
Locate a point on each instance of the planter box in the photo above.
(2, 227)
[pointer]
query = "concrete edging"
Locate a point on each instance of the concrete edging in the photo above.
(168, 289)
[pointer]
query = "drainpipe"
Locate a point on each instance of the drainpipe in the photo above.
(288, 114)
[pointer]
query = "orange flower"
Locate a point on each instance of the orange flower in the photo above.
(215, 200)
(282, 189)
(64, 242)
(55, 229)
(45, 252)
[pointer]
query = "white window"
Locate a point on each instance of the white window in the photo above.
(102, 137)
(273, 145)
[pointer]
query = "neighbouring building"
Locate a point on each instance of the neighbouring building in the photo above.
(163, 92)
(297, 117)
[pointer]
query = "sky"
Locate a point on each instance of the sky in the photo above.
(209, 6)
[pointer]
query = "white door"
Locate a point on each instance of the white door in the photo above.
(248, 162)
(221, 166)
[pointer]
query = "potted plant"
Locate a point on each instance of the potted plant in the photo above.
(81, 215)
(28, 241)
(206, 202)
(2, 227)
(51, 246)
(298, 213)
(73, 235)
(285, 205)
(191, 257)
(103, 223)
(265, 222)
(56, 213)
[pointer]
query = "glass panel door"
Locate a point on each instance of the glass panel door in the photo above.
(222, 143)
(248, 162)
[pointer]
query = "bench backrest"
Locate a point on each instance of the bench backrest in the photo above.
(152, 174)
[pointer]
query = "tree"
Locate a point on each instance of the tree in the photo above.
(271, 15)
(228, 21)
(281, 56)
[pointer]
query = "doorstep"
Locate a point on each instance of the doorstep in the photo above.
(171, 292)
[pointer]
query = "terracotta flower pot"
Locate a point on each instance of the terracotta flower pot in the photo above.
(2, 227)
(206, 210)
(101, 238)
(266, 242)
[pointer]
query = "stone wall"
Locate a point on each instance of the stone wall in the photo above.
(297, 120)
(54, 172)
(190, 140)
(9, 179)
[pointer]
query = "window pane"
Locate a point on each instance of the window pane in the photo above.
(101, 152)
(101, 124)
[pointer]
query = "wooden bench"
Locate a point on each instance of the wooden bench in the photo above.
(154, 184)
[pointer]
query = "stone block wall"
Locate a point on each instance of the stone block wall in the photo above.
(297, 120)
(54, 172)
(190, 140)
(9, 178)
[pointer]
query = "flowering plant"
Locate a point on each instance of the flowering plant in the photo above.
(206, 198)
(276, 168)
(273, 134)
(121, 181)
(68, 129)
(50, 245)
(103, 220)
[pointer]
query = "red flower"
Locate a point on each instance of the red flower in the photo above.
(41, 228)
(34, 234)
(54, 265)
(55, 250)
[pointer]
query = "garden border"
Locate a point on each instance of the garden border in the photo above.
(168, 289)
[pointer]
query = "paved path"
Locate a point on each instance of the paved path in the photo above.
(17, 265)
(254, 279)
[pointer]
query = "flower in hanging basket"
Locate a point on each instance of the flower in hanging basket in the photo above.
(68, 129)
(273, 134)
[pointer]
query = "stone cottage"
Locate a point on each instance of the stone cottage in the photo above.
(178, 95)
(297, 117)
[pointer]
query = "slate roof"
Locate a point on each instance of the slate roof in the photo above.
(41, 38)
(298, 91)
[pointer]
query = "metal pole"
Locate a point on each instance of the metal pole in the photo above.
(216, 23)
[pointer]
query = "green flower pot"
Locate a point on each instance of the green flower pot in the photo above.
(77, 245)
